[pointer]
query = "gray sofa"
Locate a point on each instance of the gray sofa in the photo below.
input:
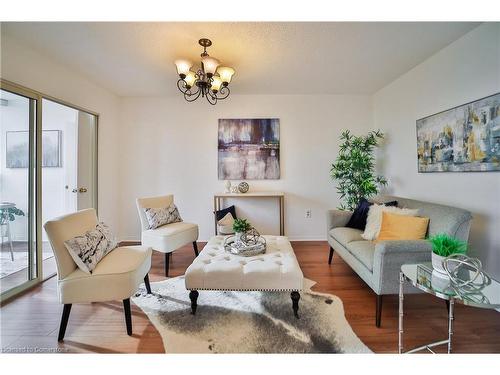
(379, 264)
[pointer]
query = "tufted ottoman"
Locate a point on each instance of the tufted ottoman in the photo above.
(216, 269)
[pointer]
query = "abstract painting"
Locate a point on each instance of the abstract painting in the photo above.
(462, 139)
(17, 149)
(249, 149)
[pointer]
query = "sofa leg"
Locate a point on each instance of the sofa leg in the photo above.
(146, 282)
(195, 248)
(128, 315)
(193, 296)
(167, 263)
(64, 321)
(378, 313)
(331, 255)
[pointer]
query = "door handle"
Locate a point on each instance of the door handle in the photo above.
(82, 190)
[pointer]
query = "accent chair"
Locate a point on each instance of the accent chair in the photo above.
(116, 277)
(167, 238)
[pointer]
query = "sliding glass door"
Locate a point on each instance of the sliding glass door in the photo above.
(48, 168)
(69, 140)
(18, 255)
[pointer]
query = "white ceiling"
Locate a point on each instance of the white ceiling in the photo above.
(136, 59)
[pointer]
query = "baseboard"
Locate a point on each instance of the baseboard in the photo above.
(312, 242)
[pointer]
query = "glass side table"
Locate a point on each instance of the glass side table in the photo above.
(422, 277)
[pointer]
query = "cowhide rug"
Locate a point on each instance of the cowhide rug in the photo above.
(247, 322)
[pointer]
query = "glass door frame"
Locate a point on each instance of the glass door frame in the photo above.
(35, 181)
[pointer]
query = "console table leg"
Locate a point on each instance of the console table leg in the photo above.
(295, 303)
(193, 296)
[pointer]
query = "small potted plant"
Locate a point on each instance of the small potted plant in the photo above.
(443, 246)
(240, 226)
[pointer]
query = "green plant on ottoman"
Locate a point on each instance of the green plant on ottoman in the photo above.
(240, 226)
(443, 246)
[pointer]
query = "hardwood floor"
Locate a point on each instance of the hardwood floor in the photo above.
(31, 321)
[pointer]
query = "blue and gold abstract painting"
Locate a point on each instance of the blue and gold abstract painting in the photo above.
(462, 139)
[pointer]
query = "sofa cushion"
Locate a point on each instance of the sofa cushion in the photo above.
(345, 235)
(374, 221)
(399, 227)
(360, 214)
(363, 251)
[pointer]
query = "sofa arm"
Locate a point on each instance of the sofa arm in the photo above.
(388, 258)
(337, 218)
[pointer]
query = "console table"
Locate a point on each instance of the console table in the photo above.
(280, 196)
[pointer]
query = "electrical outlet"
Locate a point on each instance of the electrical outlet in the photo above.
(308, 213)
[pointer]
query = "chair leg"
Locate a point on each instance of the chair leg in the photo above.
(195, 248)
(128, 316)
(330, 256)
(167, 263)
(378, 313)
(64, 321)
(146, 282)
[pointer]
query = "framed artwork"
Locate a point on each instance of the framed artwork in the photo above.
(17, 149)
(462, 139)
(249, 149)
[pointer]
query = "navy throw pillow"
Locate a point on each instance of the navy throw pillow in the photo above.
(360, 214)
(221, 213)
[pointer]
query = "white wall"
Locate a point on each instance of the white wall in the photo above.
(24, 66)
(170, 146)
(466, 70)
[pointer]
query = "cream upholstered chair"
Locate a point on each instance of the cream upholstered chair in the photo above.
(116, 277)
(169, 237)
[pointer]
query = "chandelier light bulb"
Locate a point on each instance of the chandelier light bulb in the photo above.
(216, 84)
(190, 79)
(183, 67)
(209, 65)
(225, 74)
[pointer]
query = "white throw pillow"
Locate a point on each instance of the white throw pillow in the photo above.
(374, 220)
(161, 216)
(225, 225)
(88, 249)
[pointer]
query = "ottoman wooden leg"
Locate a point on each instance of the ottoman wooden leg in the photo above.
(193, 296)
(295, 303)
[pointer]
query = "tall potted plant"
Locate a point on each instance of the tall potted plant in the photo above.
(354, 168)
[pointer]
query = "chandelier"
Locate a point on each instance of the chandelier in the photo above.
(210, 80)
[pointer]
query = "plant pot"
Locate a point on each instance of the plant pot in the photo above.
(437, 263)
(237, 236)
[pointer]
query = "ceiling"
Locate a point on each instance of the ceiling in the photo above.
(136, 59)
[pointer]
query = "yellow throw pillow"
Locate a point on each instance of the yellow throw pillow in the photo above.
(399, 227)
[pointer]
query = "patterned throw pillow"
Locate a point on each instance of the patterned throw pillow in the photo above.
(162, 216)
(88, 249)
(374, 220)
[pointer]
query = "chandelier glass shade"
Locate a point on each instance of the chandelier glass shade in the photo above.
(210, 81)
